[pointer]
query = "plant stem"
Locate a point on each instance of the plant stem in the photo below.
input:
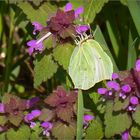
(80, 113)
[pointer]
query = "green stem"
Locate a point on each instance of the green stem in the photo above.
(9, 57)
(80, 113)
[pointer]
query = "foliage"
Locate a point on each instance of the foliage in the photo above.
(27, 81)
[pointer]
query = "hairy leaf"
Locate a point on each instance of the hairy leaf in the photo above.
(62, 54)
(136, 115)
(68, 131)
(44, 69)
(112, 121)
(135, 131)
(94, 131)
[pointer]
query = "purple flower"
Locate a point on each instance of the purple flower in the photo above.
(102, 91)
(37, 27)
(134, 100)
(77, 11)
(37, 45)
(32, 124)
(2, 108)
(126, 88)
(114, 85)
(47, 127)
(31, 102)
(115, 76)
(138, 65)
(88, 118)
(36, 113)
(125, 135)
(82, 28)
(28, 117)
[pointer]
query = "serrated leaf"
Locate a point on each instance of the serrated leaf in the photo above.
(94, 131)
(41, 14)
(23, 133)
(3, 120)
(69, 131)
(46, 115)
(136, 115)
(120, 104)
(16, 119)
(44, 69)
(93, 7)
(112, 121)
(135, 131)
(62, 54)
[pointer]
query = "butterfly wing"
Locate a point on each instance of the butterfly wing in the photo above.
(89, 64)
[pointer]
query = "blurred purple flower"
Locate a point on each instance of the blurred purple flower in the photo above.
(28, 117)
(115, 76)
(82, 28)
(36, 113)
(31, 102)
(126, 88)
(125, 135)
(77, 11)
(32, 124)
(102, 91)
(114, 85)
(47, 127)
(37, 27)
(88, 118)
(134, 100)
(138, 65)
(2, 108)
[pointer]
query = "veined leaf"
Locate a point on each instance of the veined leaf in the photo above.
(44, 69)
(62, 54)
(135, 131)
(136, 115)
(92, 7)
(41, 14)
(112, 122)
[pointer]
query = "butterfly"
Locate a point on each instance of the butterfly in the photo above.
(89, 63)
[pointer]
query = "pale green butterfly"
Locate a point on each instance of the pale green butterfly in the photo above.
(89, 64)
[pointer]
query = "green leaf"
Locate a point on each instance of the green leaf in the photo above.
(23, 133)
(132, 56)
(134, 8)
(2, 136)
(124, 2)
(16, 119)
(92, 7)
(44, 69)
(62, 54)
(41, 14)
(120, 104)
(136, 115)
(112, 121)
(100, 38)
(46, 115)
(80, 113)
(94, 131)
(36, 132)
(3, 120)
(89, 64)
(64, 132)
(135, 131)
(96, 98)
